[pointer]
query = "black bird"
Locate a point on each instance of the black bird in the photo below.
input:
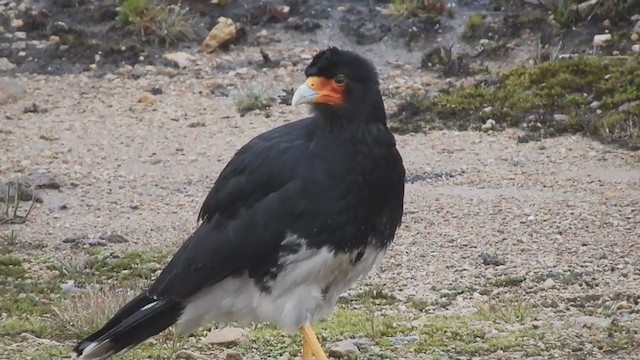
(297, 216)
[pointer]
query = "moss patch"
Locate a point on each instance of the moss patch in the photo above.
(531, 96)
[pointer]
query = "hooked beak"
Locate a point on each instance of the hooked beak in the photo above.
(318, 90)
(304, 95)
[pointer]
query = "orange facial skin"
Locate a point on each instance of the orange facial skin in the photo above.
(329, 92)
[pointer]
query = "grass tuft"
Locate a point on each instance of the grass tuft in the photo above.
(85, 312)
(166, 24)
(251, 100)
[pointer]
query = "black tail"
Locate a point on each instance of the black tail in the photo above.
(140, 319)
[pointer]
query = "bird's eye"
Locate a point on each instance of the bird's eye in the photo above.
(340, 79)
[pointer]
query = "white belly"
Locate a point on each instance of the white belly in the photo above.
(307, 288)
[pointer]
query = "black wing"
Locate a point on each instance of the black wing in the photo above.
(243, 215)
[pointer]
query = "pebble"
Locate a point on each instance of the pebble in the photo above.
(594, 105)
(635, 48)
(17, 23)
(560, 117)
(181, 58)
(224, 32)
(20, 35)
(636, 28)
(549, 284)
(489, 125)
(602, 40)
(225, 336)
(233, 355)
(343, 349)
(11, 91)
(147, 98)
(54, 39)
(6, 65)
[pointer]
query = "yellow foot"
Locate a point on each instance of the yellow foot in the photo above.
(311, 345)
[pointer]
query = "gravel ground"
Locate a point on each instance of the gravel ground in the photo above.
(543, 211)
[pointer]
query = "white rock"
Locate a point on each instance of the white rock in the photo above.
(181, 58)
(602, 40)
(228, 335)
(343, 349)
(489, 125)
(16, 23)
(6, 65)
(635, 48)
(549, 284)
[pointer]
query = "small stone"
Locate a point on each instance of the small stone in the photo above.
(6, 65)
(20, 35)
(549, 284)
(560, 117)
(606, 24)
(17, 23)
(19, 45)
(404, 340)
(594, 105)
(626, 106)
(636, 28)
(181, 58)
(635, 17)
(147, 98)
(468, 83)
(602, 40)
(188, 355)
(420, 322)
(222, 34)
(635, 48)
(93, 242)
(225, 336)
(491, 259)
(232, 355)
(262, 33)
(343, 349)
(54, 39)
(624, 305)
(591, 322)
(489, 125)
(114, 239)
(69, 288)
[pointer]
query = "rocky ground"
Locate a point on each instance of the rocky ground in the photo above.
(513, 246)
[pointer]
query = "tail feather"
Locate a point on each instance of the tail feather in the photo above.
(140, 319)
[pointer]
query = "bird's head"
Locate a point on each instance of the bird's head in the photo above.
(339, 80)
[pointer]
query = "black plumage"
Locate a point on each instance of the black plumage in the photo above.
(287, 204)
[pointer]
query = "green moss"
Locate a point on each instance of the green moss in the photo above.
(564, 87)
(474, 23)
(425, 8)
(459, 335)
(506, 281)
(36, 326)
(131, 9)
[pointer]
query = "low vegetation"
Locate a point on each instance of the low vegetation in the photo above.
(53, 302)
(251, 100)
(599, 97)
(156, 21)
(432, 8)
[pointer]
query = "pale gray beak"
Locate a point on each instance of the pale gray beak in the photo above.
(303, 95)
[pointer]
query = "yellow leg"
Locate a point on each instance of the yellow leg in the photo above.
(306, 349)
(311, 343)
